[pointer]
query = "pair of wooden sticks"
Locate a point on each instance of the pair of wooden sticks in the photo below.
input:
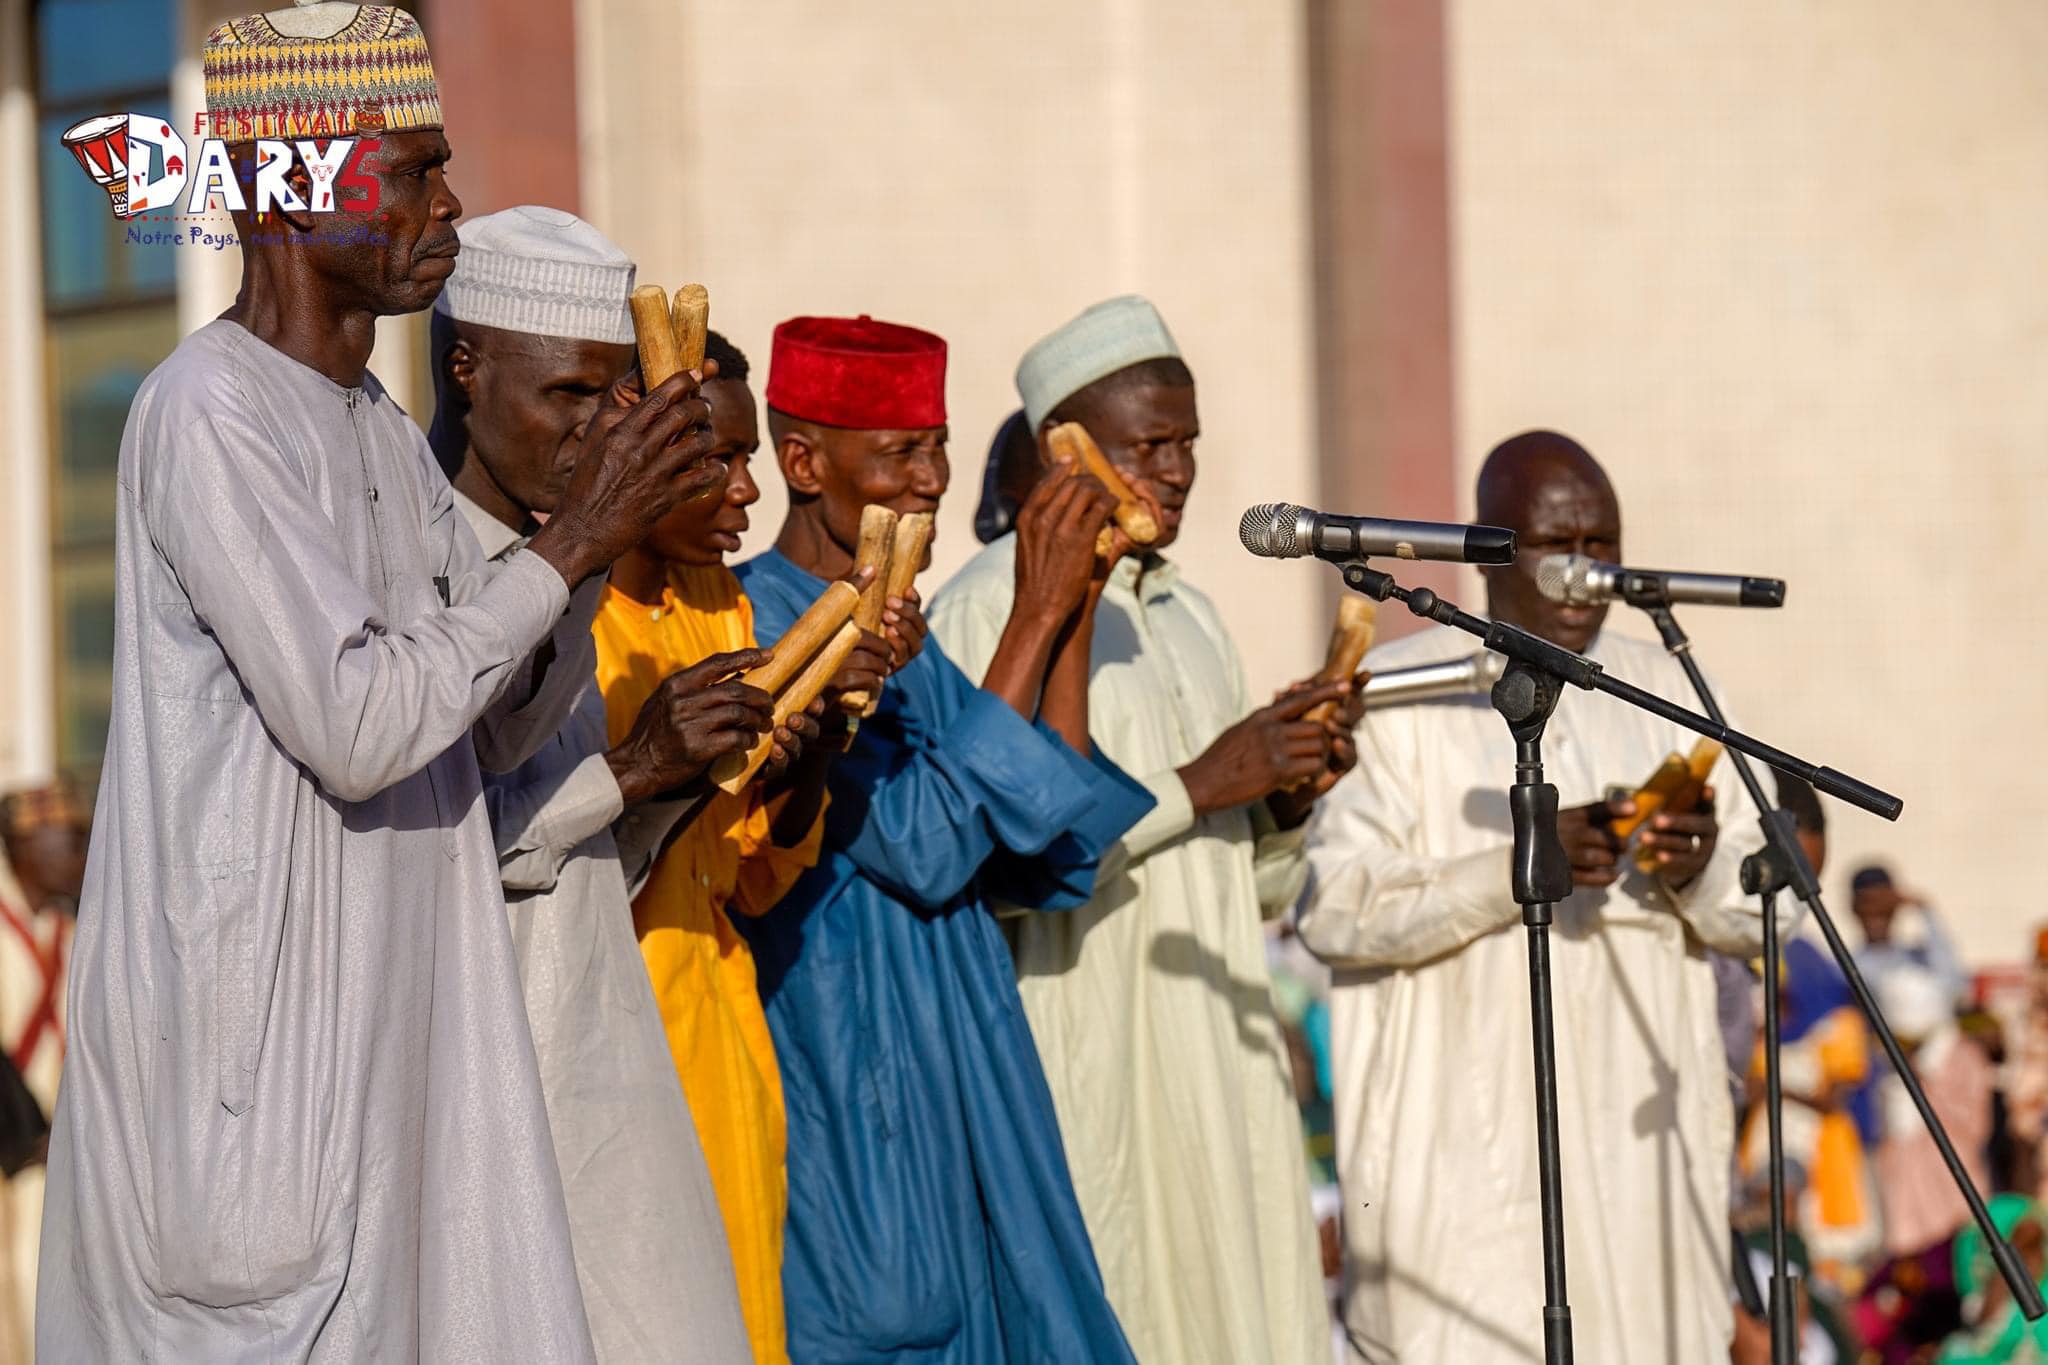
(670, 336)
(814, 648)
(894, 547)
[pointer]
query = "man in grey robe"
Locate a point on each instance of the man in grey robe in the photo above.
(301, 1119)
(530, 334)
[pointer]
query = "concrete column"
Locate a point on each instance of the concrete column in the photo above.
(27, 709)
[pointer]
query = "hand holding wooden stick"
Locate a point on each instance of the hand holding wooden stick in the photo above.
(1350, 639)
(788, 674)
(872, 551)
(1070, 443)
(906, 557)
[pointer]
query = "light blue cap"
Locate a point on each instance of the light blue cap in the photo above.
(1112, 335)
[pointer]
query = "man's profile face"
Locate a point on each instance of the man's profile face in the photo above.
(1148, 432)
(705, 529)
(396, 259)
(905, 471)
(1561, 510)
(531, 398)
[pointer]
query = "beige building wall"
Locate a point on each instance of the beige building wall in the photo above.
(1778, 265)
(986, 172)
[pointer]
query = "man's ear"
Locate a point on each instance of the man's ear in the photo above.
(1045, 426)
(300, 181)
(459, 365)
(800, 459)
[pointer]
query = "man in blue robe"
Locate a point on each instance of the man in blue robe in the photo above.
(931, 1214)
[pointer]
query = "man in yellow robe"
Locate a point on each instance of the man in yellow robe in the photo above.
(670, 603)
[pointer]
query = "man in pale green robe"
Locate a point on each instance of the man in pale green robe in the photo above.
(1151, 1005)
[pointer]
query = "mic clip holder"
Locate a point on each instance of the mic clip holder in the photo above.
(1780, 864)
(1647, 591)
(1525, 698)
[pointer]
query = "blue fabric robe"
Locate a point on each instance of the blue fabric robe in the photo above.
(931, 1215)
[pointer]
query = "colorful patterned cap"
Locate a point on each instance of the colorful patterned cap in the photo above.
(320, 70)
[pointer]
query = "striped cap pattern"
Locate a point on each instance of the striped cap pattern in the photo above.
(374, 75)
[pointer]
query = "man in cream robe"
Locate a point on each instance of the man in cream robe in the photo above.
(1151, 1004)
(1409, 899)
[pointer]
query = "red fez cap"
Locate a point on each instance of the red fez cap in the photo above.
(858, 373)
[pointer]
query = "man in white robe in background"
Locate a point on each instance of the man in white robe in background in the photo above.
(301, 1118)
(1409, 897)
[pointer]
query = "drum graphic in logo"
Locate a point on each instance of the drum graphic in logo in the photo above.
(101, 146)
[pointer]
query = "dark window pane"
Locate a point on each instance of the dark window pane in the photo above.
(76, 212)
(88, 254)
(90, 46)
(85, 657)
(97, 361)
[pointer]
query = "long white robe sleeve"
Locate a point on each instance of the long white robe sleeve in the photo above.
(651, 1251)
(1409, 899)
(1151, 1005)
(301, 1117)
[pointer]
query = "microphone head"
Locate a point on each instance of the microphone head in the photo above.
(1489, 545)
(1269, 529)
(1763, 592)
(1562, 578)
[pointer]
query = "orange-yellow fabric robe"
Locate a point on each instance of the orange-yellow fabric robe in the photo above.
(724, 862)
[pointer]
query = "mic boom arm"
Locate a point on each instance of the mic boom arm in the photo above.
(1576, 669)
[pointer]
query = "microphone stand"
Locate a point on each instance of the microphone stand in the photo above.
(1525, 696)
(1780, 863)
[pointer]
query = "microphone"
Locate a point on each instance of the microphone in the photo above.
(1426, 682)
(1280, 530)
(1576, 580)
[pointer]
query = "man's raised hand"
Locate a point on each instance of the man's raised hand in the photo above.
(635, 465)
(1056, 530)
(1274, 748)
(696, 716)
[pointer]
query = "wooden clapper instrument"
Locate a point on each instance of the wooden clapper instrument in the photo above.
(814, 648)
(893, 546)
(670, 337)
(1350, 638)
